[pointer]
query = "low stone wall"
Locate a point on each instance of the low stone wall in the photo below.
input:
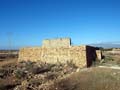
(81, 56)
(76, 54)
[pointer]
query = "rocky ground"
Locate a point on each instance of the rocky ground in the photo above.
(33, 76)
(44, 76)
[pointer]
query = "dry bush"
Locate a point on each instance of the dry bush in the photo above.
(19, 73)
(4, 72)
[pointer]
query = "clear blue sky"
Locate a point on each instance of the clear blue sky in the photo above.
(85, 21)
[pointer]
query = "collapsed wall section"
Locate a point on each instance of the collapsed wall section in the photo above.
(76, 54)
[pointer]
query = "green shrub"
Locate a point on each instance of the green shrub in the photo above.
(19, 74)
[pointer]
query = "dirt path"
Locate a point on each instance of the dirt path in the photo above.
(8, 61)
(112, 67)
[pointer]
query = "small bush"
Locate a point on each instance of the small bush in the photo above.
(19, 74)
(71, 64)
(3, 73)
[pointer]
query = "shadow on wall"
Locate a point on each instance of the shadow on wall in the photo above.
(91, 55)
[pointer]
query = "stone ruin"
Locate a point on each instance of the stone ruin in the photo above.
(60, 42)
(61, 50)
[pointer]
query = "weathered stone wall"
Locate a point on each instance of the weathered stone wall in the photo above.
(76, 54)
(99, 54)
(60, 42)
(60, 50)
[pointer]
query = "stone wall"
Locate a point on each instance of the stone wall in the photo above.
(60, 50)
(99, 54)
(60, 42)
(76, 54)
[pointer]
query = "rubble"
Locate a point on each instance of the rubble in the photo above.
(39, 75)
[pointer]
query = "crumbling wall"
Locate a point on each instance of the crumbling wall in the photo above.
(60, 42)
(99, 54)
(60, 50)
(76, 54)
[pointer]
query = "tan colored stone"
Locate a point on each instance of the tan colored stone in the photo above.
(81, 56)
(99, 54)
(59, 42)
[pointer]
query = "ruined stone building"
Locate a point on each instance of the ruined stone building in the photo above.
(61, 50)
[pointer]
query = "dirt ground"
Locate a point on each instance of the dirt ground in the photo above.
(8, 61)
(6, 78)
(41, 76)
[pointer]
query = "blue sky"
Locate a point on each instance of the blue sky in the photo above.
(85, 21)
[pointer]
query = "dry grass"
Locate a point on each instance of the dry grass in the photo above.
(111, 59)
(92, 79)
